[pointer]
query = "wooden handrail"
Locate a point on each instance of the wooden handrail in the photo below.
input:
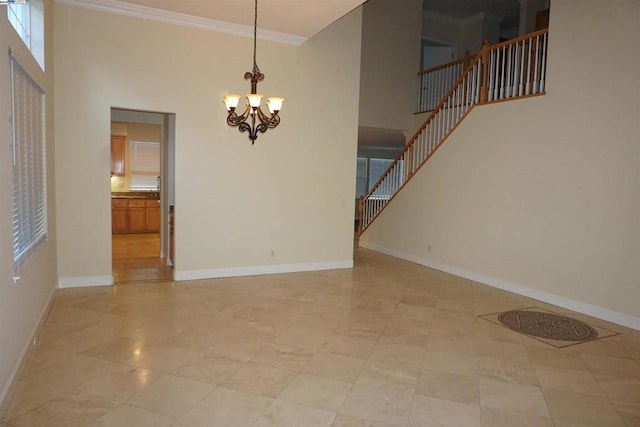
(518, 39)
(428, 120)
(464, 60)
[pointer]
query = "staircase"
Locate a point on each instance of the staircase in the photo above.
(511, 70)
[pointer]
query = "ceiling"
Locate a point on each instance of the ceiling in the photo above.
(379, 137)
(509, 10)
(302, 18)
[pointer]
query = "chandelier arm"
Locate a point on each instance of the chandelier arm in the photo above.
(274, 120)
(262, 116)
(233, 119)
(270, 121)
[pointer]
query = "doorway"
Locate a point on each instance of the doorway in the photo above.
(141, 195)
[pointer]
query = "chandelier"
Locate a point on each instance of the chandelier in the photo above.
(260, 121)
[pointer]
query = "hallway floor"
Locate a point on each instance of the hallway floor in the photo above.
(386, 344)
(136, 258)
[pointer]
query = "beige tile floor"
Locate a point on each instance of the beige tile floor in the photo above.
(387, 344)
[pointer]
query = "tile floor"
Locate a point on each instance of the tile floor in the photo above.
(387, 344)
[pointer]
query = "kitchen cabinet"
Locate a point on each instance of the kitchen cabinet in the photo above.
(152, 215)
(119, 216)
(135, 216)
(117, 154)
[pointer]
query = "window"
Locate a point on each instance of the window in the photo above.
(144, 164)
(28, 20)
(361, 178)
(369, 171)
(27, 138)
(19, 18)
(376, 169)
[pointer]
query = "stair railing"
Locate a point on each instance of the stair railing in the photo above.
(435, 82)
(509, 70)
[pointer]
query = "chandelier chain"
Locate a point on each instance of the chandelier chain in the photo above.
(255, 37)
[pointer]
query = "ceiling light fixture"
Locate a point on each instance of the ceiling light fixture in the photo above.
(253, 109)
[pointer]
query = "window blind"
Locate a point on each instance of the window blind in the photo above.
(361, 177)
(144, 163)
(376, 169)
(27, 138)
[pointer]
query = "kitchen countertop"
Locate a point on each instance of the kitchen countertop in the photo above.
(147, 195)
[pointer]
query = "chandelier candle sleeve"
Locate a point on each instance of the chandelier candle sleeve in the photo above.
(253, 120)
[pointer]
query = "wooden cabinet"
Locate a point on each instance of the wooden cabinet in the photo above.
(119, 216)
(135, 216)
(152, 217)
(117, 154)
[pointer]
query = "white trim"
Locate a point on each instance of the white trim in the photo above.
(168, 17)
(84, 281)
(568, 303)
(23, 354)
(259, 270)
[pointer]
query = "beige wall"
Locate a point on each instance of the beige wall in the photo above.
(543, 195)
(23, 304)
(290, 195)
(390, 61)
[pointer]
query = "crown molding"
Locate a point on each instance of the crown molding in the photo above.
(159, 15)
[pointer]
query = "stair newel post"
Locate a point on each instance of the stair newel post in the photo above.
(484, 89)
(467, 59)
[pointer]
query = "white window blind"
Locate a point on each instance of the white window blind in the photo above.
(361, 177)
(29, 198)
(376, 169)
(144, 164)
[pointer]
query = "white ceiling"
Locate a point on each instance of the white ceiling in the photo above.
(302, 18)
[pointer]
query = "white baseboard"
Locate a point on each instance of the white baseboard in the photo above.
(568, 303)
(215, 273)
(84, 281)
(18, 365)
